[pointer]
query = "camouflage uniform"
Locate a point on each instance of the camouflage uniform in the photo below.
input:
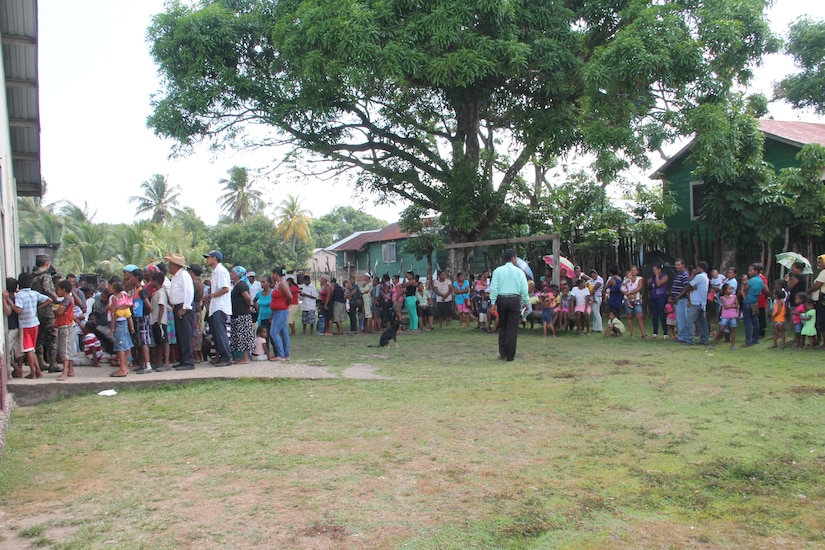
(47, 336)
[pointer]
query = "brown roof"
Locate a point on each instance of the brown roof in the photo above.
(794, 133)
(797, 134)
(359, 240)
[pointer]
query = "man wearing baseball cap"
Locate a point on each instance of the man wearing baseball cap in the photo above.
(220, 307)
(182, 296)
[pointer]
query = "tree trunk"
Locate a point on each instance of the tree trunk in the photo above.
(459, 261)
(728, 253)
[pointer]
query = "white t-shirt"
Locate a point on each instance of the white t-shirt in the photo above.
(580, 296)
(220, 279)
(445, 286)
(307, 302)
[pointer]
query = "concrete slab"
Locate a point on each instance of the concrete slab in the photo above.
(95, 379)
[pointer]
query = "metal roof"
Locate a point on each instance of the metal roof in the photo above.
(797, 134)
(18, 27)
(360, 239)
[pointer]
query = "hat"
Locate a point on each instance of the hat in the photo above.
(251, 274)
(152, 268)
(214, 254)
(131, 268)
(196, 269)
(368, 274)
(176, 259)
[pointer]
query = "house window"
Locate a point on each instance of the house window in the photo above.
(697, 199)
(388, 253)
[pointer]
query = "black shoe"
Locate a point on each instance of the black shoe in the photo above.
(162, 368)
(185, 367)
(144, 370)
(226, 363)
(55, 369)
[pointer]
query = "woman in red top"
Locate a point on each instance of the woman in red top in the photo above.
(293, 307)
(281, 300)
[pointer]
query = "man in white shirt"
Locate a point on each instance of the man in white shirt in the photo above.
(309, 297)
(254, 284)
(220, 307)
(181, 296)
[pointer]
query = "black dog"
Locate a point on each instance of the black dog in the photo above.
(390, 334)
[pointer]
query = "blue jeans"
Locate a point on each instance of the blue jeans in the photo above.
(280, 332)
(657, 311)
(751, 325)
(217, 323)
(696, 316)
(681, 321)
(321, 325)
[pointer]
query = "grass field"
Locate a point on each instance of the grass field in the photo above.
(582, 442)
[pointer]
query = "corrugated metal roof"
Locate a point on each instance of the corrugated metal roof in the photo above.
(18, 27)
(357, 241)
(792, 133)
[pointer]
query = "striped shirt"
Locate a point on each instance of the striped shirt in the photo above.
(27, 300)
(679, 283)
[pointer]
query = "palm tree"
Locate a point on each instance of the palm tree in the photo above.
(240, 199)
(293, 221)
(158, 198)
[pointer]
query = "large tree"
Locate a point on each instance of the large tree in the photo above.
(340, 222)
(442, 103)
(806, 44)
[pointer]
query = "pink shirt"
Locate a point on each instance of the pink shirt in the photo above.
(729, 312)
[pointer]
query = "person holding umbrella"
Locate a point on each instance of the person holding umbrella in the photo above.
(508, 292)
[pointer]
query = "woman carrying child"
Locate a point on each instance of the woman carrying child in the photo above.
(632, 289)
(120, 312)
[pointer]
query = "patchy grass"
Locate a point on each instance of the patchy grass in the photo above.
(581, 442)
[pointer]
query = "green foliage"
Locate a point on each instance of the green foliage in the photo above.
(428, 234)
(254, 245)
(159, 198)
(240, 198)
(340, 222)
(442, 104)
(728, 152)
(806, 89)
(803, 190)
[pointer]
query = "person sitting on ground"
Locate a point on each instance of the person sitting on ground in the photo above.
(615, 327)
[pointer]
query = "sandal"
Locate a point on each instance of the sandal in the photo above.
(118, 374)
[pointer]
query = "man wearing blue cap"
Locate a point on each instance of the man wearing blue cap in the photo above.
(220, 307)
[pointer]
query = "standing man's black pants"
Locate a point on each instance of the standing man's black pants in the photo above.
(509, 318)
(185, 334)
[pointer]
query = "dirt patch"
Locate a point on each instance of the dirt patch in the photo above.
(363, 371)
(38, 530)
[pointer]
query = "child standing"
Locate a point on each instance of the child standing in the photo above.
(809, 323)
(26, 304)
(670, 313)
(120, 309)
(796, 319)
(778, 316)
(13, 324)
(64, 323)
(159, 322)
(730, 314)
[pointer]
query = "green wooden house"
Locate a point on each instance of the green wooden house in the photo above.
(382, 251)
(783, 140)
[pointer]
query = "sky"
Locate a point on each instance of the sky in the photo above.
(96, 81)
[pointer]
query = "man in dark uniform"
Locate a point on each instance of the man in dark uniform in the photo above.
(47, 336)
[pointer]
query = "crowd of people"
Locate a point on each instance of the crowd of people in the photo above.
(164, 311)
